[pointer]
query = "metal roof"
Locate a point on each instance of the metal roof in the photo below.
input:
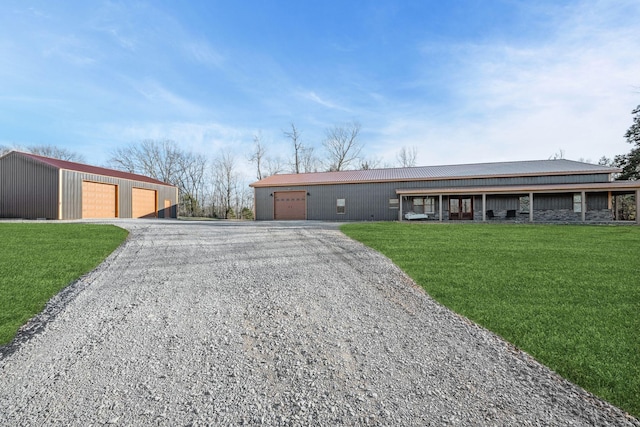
(426, 173)
(80, 167)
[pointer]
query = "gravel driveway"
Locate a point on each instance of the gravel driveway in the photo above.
(222, 323)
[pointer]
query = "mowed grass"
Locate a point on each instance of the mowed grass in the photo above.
(567, 295)
(38, 260)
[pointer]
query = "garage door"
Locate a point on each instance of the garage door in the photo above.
(290, 205)
(99, 200)
(144, 203)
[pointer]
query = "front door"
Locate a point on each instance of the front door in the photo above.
(461, 208)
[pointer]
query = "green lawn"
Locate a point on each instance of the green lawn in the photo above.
(567, 295)
(38, 260)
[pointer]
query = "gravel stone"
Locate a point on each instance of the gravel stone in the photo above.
(275, 324)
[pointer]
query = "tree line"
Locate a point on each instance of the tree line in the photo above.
(630, 162)
(217, 187)
(343, 150)
(630, 165)
(45, 151)
(207, 188)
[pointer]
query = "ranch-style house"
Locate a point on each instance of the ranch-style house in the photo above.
(522, 191)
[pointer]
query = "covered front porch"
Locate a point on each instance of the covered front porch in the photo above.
(596, 203)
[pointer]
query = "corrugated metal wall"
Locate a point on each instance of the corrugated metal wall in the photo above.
(370, 201)
(72, 194)
(28, 189)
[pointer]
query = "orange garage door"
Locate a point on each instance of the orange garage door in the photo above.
(290, 205)
(144, 203)
(99, 200)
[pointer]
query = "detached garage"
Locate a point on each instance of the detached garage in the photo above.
(33, 186)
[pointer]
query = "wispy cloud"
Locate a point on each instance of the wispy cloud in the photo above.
(206, 138)
(314, 97)
(161, 97)
(70, 49)
(202, 52)
(573, 90)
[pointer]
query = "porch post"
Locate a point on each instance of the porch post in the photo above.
(531, 207)
(610, 205)
(638, 206)
(400, 210)
(440, 207)
(583, 206)
(484, 207)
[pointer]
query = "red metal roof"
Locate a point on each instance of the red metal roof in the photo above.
(80, 167)
(425, 173)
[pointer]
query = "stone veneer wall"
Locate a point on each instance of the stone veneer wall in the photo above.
(551, 215)
(601, 215)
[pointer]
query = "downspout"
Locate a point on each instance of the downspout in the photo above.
(59, 194)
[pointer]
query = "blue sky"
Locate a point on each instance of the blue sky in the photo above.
(463, 81)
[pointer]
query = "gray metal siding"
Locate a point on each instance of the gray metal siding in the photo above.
(72, 194)
(597, 201)
(495, 182)
(362, 202)
(28, 189)
(370, 201)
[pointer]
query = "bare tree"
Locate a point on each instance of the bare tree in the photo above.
(164, 161)
(294, 136)
(308, 160)
(47, 151)
(191, 182)
(257, 155)
(275, 165)
(225, 182)
(407, 157)
(55, 152)
(342, 146)
(557, 156)
(243, 201)
(370, 163)
(157, 159)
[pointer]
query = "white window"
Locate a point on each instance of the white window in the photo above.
(341, 206)
(418, 204)
(577, 202)
(430, 205)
